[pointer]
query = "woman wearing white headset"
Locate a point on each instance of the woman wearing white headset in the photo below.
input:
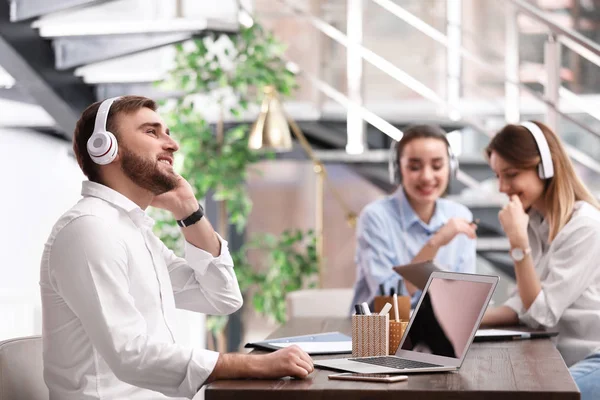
(413, 224)
(553, 224)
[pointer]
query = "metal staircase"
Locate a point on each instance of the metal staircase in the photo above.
(53, 47)
(65, 54)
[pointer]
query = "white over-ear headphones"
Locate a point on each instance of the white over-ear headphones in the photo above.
(102, 146)
(545, 168)
(394, 163)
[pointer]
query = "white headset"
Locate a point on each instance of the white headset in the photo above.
(545, 168)
(395, 175)
(102, 146)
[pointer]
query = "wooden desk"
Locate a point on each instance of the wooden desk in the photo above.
(523, 369)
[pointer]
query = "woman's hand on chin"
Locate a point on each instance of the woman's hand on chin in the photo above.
(514, 221)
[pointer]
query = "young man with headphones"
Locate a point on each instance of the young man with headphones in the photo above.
(110, 287)
(553, 225)
(415, 223)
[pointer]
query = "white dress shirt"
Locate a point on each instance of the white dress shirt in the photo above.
(569, 271)
(109, 291)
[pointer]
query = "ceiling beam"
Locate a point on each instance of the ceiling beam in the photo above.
(30, 61)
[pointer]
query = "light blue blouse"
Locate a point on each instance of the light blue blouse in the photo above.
(389, 233)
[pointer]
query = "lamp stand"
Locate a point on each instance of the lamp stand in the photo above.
(319, 217)
(271, 130)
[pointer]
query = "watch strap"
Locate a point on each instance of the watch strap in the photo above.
(192, 218)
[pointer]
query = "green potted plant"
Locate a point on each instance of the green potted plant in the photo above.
(219, 162)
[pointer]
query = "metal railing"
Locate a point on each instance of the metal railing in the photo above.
(510, 76)
(573, 40)
(387, 67)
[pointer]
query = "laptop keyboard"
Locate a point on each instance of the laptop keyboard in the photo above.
(394, 362)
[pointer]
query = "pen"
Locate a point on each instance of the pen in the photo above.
(365, 308)
(396, 316)
(382, 289)
(399, 287)
(392, 291)
(385, 309)
(358, 309)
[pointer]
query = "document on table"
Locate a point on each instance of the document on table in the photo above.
(499, 332)
(319, 347)
(319, 343)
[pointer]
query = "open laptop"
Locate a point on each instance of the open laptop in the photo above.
(440, 330)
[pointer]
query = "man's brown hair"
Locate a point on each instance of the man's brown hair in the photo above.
(85, 128)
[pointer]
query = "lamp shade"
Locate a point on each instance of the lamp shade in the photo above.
(271, 129)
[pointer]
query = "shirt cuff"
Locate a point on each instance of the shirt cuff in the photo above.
(515, 304)
(201, 365)
(539, 313)
(200, 259)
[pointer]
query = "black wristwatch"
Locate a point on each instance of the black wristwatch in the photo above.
(193, 218)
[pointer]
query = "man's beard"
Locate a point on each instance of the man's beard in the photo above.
(145, 173)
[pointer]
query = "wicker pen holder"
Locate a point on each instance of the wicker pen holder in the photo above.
(396, 331)
(403, 306)
(370, 335)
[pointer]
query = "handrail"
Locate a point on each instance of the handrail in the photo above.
(581, 50)
(436, 35)
(334, 94)
(583, 158)
(428, 93)
(439, 37)
(575, 99)
(574, 37)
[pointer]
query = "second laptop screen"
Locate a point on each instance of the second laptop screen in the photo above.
(447, 316)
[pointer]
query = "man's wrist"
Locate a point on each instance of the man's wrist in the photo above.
(255, 364)
(186, 209)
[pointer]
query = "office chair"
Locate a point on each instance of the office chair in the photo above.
(21, 369)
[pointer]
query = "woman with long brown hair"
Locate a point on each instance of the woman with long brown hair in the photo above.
(553, 225)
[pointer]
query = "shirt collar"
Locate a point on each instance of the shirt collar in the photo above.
(114, 198)
(409, 217)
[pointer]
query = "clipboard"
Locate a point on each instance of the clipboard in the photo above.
(490, 335)
(418, 273)
(315, 344)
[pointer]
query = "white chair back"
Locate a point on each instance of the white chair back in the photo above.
(319, 303)
(21, 369)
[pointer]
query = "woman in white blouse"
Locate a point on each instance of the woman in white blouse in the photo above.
(553, 224)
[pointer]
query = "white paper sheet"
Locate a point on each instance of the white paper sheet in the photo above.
(498, 332)
(319, 347)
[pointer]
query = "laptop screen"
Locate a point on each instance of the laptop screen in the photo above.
(446, 317)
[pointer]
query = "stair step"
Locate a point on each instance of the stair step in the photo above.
(25, 9)
(6, 80)
(145, 89)
(126, 27)
(142, 67)
(76, 51)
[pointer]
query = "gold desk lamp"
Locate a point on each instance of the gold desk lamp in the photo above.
(271, 131)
